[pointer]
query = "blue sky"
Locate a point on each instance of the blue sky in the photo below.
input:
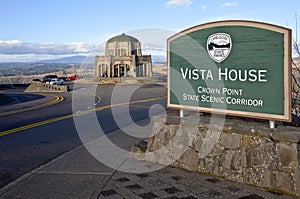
(35, 29)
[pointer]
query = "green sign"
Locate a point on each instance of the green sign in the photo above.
(238, 68)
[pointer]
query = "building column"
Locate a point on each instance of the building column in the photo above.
(118, 70)
(125, 70)
(101, 70)
(96, 70)
(108, 71)
(147, 71)
(144, 70)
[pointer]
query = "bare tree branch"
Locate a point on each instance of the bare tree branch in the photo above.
(296, 72)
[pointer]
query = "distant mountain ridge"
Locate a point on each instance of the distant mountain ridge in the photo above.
(80, 59)
(67, 60)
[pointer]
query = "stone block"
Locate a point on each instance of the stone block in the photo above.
(227, 159)
(254, 159)
(177, 150)
(296, 175)
(287, 155)
(236, 161)
(190, 121)
(150, 143)
(182, 137)
(156, 145)
(284, 181)
(201, 166)
(253, 176)
(217, 151)
(190, 159)
(161, 132)
(172, 132)
(207, 147)
(243, 158)
(237, 176)
(152, 157)
(268, 153)
(166, 159)
(192, 133)
(268, 178)
(197, 143)
(286, 134)
(157, 128)
(137, 153)
(210, 165)
(249, 141)
(230, 141)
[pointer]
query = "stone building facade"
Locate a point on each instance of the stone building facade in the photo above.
(123, 58)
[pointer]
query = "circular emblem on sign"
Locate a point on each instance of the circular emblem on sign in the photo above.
(219, 46)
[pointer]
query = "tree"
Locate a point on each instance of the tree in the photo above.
(296, 75)
(296, 78)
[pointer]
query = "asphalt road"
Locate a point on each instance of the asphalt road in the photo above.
(50, 131)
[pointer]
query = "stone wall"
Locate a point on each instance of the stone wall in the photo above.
(242, 151)
(36, 86)
(133, 80)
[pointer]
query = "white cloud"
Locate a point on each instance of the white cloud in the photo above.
(16, 47)
(29, 57)
(229, 4)
(178, 3)
(203, 8)
(11, 42)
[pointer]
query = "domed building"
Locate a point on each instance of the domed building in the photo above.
(123, 58)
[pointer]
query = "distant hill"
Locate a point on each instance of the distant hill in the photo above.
(80, 59)
(158, 59)
(67, 60)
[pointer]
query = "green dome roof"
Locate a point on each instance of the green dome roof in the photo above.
(122, 38)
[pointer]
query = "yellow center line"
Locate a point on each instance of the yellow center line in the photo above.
(135, 106)
(58, 99)
(36, 124)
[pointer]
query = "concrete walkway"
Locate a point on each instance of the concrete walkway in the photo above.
(77, 174)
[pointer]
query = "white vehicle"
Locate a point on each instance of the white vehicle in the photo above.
(55, 81)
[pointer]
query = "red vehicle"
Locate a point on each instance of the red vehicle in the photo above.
(72, 78)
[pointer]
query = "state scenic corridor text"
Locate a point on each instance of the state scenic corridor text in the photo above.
(228, 96)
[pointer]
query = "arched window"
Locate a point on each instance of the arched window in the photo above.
(103, 70)
(110, 52)
(122, 52)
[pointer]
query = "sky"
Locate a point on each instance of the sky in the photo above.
(36, 30)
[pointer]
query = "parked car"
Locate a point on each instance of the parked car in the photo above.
(72, 78)
(47, 78)
(55, 81)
